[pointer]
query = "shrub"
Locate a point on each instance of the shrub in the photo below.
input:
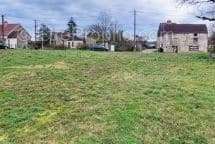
(161, 50)
(212, 51)
(83, 47)
(125, 45)
(57, 47)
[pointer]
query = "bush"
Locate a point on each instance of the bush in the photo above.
(161, 50)
(125, 45)
(212, 49)
(57, 47)
(83, 47)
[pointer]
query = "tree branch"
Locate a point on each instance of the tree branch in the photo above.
(195, 2)
(206, 18)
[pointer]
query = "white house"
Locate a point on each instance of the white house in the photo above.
(65, 39)
(15, 36)
(174, 37)
(74, 42)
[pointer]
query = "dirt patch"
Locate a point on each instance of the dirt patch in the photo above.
(123, 76)
(57, 65)
(60, 65)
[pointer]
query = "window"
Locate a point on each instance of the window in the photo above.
(175, 49)
(194, 48)
(195, 40)
(69, 44)
(72, 44)
(195, 34)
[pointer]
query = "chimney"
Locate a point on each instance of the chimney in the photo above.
(169, 22)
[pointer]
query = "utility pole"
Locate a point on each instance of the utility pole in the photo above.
(50, 40)
(135, 27)
(42, 40)
(35, 30)
(54, 37)
(2, 17)
(115, 33)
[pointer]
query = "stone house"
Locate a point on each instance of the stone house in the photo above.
(15, 36)
(176, 38)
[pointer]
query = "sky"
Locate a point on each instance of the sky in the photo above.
(56, 13)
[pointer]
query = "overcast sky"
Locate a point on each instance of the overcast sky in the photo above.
(56, 13)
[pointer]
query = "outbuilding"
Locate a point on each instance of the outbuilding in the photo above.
(15, 36)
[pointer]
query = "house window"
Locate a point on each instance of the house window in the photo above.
(195, 34)
(175, 49)
(193, 48)
(195, 40)
(72, 44)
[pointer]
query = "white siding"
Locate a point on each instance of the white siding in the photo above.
(73, 44)
(12, 43)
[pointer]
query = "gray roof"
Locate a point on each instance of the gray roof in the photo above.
(182, 28)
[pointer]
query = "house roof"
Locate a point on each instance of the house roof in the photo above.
(181, 28)
(8, 28)
(13, 34)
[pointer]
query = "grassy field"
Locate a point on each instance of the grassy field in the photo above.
(87, 98)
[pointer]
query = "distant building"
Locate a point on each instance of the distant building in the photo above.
(74, 42)
(90, 41)
(174, 37)
(15, 36)
(66, 40)
(140, 43)
(57, 38)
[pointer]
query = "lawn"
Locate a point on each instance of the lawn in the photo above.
(123, 98)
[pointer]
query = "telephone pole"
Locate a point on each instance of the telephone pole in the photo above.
(35, 30)
(42, 39)
(2, 17)
(50, 39)
(135, 27)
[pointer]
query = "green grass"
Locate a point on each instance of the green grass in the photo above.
(87, 98)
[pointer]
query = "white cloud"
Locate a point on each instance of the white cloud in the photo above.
(56, 13)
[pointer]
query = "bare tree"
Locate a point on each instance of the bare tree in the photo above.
(104, 28)
(206, 8)
(212, 36)
(212, 41)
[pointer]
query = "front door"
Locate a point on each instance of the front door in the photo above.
(175, 49)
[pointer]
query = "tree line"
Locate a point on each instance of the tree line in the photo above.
(104, 30)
